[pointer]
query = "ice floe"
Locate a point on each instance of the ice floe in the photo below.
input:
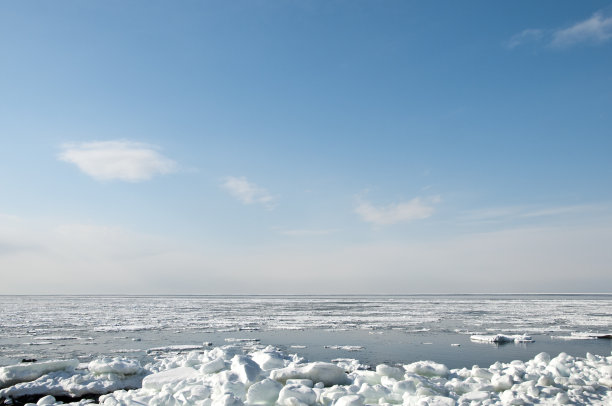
(66, 378)
(176, 348)
(232, 376)
(13, 374)
(345, 347)
(583, 336)
(501, 338)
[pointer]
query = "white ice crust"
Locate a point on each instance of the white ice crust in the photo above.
(233, 376)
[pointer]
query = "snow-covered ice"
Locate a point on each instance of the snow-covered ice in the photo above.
(233, 376)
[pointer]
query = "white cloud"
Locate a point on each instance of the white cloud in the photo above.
(528, 35)
(117, 160)
(596, 29)
(414, 209)
(248, 192)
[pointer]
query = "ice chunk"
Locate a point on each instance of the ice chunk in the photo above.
(305, 382)
(213, 366)
(392, 372)
(107, 365)
(372, 394)
(542, 358)
(169, 377)
(269, 359)
(227, 400)
(324, 372)
(302, 393)
(247, 370)
(427, 368)
(264, 392)
(475, 396)
(502, 382)
(13, 374)
(46, 400)
(406, 386)
(350, 400)
(73, 383)
(370, 377)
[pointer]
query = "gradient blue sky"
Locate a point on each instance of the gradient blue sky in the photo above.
(305, 147)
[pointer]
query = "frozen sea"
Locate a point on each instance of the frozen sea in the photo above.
(373, 329)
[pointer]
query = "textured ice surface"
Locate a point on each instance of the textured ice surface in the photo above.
(86, 328)
(41, 317)
(238, 379)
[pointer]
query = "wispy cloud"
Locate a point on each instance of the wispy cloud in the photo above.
(248, 192)
(528, 35)
(513, 213)
(595, 30)
(117, 160)
(415, 209)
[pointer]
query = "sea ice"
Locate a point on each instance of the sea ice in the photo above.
(13, 374)
(170, 377)
(231, 376)
(325, 372)
(501, 338)
(121, 366)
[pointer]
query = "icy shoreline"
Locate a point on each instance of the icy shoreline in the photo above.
(232, 376)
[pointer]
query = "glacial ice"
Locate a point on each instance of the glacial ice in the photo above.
(234, 376)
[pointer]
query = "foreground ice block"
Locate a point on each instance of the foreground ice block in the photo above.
(13, 374)
(169, 377)
(325, 372)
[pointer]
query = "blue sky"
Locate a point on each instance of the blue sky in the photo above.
(305, 147)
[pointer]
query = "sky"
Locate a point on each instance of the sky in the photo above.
(305, 147)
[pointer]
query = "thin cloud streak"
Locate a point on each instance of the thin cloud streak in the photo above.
(248, 192)
(508, 213)
(117, 160)
(595, 30)
(414, 209)
(528, 35)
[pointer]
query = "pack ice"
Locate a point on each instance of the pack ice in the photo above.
(234, 376)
